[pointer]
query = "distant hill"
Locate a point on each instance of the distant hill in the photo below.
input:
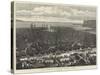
(26, 24)
(90, 23)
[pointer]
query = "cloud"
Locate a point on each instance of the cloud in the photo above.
(83, 14)
(56, 13)
(23, 13)
(44, 10)
(51, 11)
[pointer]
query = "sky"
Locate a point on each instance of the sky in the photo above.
(54, 13)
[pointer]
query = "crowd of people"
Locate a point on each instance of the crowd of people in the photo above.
(35, 57)
(36, 52)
